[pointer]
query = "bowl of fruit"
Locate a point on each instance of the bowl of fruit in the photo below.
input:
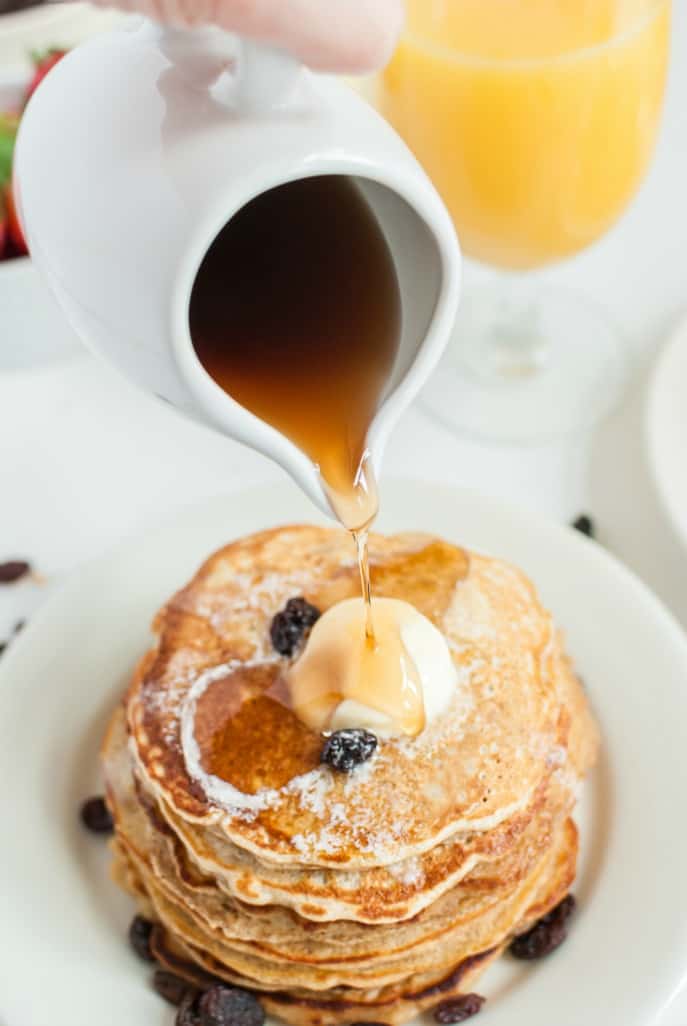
(32, 327)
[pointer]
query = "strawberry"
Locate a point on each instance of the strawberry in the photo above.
(43, 64)
(14, 231)
(8, 132)
(3, 228)
(12, 242)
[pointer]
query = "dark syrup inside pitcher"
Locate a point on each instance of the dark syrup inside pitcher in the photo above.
(296, 313)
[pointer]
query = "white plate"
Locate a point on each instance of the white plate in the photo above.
(667, 428)
(65, 959)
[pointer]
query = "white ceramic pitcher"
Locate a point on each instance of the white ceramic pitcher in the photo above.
(140, 147)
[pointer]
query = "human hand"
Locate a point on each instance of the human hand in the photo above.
(350, 36)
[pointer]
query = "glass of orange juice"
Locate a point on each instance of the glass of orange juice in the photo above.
(536, 120)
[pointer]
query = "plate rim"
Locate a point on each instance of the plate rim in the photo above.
(660, 374)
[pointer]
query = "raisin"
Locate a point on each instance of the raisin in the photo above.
(458, 1009)
(139, 936)
(346, 749)
(171, 987)
(188, 1010)
(288, 627)
(19, 626)
(585, 525)
(13, 571)
(547, 934)
(229, 1006)
(96, 816)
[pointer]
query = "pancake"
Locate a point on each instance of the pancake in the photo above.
(276, 932)
(367, 896)
(390, 1004)
(401, 890)
(500, 921)
(383, 894)
(214, 651)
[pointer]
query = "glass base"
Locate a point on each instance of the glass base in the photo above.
(527, 366)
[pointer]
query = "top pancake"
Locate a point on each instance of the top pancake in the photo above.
(214, 673)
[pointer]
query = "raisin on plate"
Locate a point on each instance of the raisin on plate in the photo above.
(171, 987)
(229, 1006)
(458, 1009)
(585, 525)
(96, 816)
(140, 933)
(13, 571)
(547, 934)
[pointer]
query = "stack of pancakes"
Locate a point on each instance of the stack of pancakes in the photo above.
(367, 896)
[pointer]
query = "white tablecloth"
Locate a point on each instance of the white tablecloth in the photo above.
(86, 460)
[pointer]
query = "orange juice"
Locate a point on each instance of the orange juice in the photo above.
(536, 119)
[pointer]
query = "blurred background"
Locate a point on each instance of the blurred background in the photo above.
(594, 322)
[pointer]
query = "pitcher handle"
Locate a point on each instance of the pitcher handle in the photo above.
(264, 76)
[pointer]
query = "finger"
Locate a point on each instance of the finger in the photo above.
(338, 35)
(331, 35)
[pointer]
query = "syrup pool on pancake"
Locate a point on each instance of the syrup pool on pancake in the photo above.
(296, 313)
(304, 679)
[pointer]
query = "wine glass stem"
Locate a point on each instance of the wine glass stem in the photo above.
(504, 337)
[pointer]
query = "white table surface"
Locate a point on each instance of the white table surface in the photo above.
(85, 460)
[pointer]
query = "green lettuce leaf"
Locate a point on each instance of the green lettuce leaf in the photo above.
(9, 124)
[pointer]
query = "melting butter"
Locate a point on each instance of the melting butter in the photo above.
(390, 683)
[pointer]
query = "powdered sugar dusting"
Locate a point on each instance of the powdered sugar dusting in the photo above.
(499, 639)
(470, 615)
(409, 872)
(557, 756)
(312, 790)
(266, 592)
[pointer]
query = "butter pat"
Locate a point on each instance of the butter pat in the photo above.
(350, 713)
(391, 686)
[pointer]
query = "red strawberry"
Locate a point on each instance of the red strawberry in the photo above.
(14, 232)
(3, 229)
(43, 63)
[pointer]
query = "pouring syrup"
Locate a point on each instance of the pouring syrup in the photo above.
(296, 314)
